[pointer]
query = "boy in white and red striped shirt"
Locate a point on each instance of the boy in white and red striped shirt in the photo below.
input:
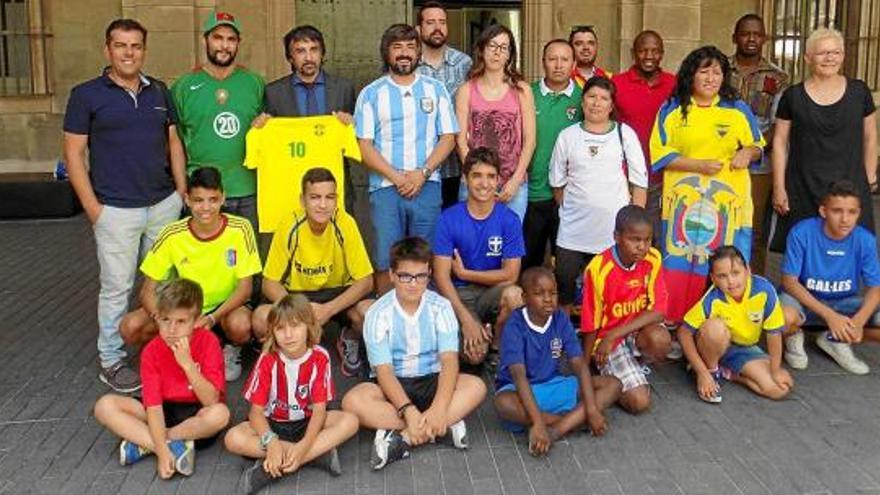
(288, 424)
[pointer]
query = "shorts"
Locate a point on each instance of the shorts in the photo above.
(290, 431)
(323, 296)
(847, 306)
(622, 364)
(483, 302)
(558, 396)
(736, 357)
(419, 389)
(570, 267)
(178, 412)
(395, 217)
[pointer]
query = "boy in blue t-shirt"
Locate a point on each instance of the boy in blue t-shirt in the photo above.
(530, 391)
(478, 248)
(826, 260)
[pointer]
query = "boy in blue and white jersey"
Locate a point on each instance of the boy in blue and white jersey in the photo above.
(827, 259)
(416, 393)
(405, 125)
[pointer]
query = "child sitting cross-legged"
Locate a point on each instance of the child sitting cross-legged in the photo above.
(288, 424)
(720, 333)
(530, 391)
(182, 373)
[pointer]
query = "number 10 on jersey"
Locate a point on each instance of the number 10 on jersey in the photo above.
(297, 149)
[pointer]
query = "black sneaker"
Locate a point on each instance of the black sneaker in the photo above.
(121, 378)
(388, 446)
(329, 462)
(254, 479)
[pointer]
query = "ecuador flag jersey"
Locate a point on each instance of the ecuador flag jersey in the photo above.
(615, 294)
(702, 212)
(284, 149)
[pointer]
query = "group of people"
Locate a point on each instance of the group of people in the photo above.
(637, 183)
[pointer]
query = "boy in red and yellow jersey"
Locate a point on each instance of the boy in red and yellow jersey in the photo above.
(624, 302)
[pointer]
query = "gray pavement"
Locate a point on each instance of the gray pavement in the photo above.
(823, 439)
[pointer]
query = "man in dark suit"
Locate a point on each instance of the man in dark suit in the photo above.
(309, 90)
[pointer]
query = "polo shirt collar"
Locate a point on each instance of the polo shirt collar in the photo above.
(145, 81)
(568, 91)
(616, 255)
(300, 82)
(540, 329)
(633, 75)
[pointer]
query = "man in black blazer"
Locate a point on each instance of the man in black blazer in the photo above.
(309, 90)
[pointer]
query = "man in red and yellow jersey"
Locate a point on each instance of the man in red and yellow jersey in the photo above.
(585, 43)
(624, 303)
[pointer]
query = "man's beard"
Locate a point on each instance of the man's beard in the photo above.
(400, 71)
(430, 41)
(212, 57)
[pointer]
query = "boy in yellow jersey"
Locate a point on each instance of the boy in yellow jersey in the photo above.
(216, 250)
(318, 251)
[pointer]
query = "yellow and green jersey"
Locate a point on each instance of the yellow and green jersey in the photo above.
(284, 149)
(216, 264)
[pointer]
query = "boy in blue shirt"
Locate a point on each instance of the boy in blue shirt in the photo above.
(478, 249)
(530, 391)
(827, 258)
(416, 393)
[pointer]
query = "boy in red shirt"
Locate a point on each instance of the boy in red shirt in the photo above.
(624, 302)
(184, 386)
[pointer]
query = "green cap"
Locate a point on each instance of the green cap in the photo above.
(220, 19)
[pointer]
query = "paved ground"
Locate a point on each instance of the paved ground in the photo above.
(824, 439)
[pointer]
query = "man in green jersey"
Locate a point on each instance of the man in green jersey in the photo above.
(216, 103)
(557, 106)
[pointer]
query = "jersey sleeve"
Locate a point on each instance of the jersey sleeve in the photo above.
(151, 377)
(512, 343)
(377, 336)
(514, 245)
(158, 262)
(357, 260)
(635, 157)
(211, 363)
(446, 121)
(570, 343)
(784, 110)
(322, 388)
(443, 244)
(592, 304)
(658, 293)
(749, 128)
(364, 116)
(774, 320)
(279, 254)
(251, 265)
(253, 157)
(662, 145)
(447, 327)
(78, 116)
(868, 262)
(699, 313)
(868, 106)
(795, 252)
(350, 147)
(259, 383)
(559, 162)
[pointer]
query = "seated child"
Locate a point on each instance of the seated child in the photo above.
(826, 259)
(183, 388)
(623, 308)
(288, 424)
(719, 335)
(416, 393)
(529, 389)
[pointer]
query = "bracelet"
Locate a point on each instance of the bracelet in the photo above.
(402, 409)
(213, 319)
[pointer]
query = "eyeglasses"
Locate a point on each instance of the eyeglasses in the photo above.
(408, 278)
(495, 47)
(830, 54)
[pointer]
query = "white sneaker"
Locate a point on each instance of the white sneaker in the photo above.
(675, 353)
(458, 432)
(843, 354)
(232, 360)
(795, 355)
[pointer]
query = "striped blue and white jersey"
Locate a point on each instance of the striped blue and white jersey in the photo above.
(410, 343)
(404, 122)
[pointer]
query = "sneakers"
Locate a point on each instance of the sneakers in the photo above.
(130, 453)
(329, 462)
(843, 354)
(388, 446)
(349, 354)
(675, 353)
(254, 479)
(458, 432)
(715, 399)
(232, 360)
(121, 378)
(184, 452)
(795, 355)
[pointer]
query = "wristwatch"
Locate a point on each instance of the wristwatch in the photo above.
(266, 439)
(426, 172)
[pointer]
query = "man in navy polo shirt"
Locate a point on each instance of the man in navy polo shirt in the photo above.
(130, 190)
(478, 250)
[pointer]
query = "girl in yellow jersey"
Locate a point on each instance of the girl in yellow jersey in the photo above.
(703, 141)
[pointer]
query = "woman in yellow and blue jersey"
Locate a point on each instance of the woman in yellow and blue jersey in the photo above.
(703, 141)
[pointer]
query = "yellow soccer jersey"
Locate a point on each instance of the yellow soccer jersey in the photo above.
(303, 261)
(284, 149)
(758, 311)
(216, 264)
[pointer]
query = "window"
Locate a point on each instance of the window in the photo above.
(858, 20)
(22, 48)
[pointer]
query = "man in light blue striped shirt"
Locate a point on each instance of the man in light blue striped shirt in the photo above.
(417, 393)
(406, 126)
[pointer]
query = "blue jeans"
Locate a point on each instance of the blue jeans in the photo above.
(245, 207)
(395, 217)
(518, 203)
(848, 306)
(123, 236)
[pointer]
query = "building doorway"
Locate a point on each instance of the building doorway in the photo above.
(466, 20)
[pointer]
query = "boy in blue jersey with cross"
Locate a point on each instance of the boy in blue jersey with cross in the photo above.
(827, 259)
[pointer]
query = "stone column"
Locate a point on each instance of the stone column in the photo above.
(678, 21)
(537, 30)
